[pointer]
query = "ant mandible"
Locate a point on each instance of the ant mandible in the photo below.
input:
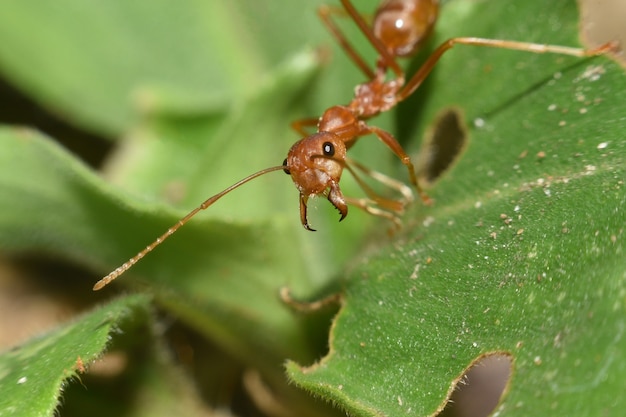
(316, 162)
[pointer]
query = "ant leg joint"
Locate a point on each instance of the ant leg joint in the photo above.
(307, 307)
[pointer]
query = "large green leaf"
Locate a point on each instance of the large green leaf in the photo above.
(523, 252)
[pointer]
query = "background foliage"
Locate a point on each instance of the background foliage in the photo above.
(522, 254)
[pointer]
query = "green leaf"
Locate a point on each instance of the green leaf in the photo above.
(523, 252)
(138, 376)
(95, 63)
(33, 375)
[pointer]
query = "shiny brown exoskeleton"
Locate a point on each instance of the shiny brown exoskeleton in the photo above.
(316, 162)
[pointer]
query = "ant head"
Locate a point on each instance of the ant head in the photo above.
(315, 164)
(402, 26)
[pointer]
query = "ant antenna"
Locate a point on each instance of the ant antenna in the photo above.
(207, 203)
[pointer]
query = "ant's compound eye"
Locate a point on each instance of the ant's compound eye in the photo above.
(328, 149)
(286, 170)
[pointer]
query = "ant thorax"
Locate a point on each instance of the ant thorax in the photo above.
(375, 96)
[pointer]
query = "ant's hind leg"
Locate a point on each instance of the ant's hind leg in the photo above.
(416, 80)
(385, 56)
(326, 14)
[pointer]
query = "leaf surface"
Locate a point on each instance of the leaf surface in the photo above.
(33, 375)
(523, 252)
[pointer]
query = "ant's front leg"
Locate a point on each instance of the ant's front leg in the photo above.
(391, 142)
(301, 125)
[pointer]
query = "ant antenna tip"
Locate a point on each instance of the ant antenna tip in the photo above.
(100, 284)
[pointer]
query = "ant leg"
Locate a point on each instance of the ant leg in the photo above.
(375, 204)
(391, 142)
(367, 205)
(309, 306)
(400, 187)
(325, 13)
(386, 57)
(388, 204)
(536, 48)
(300, 125)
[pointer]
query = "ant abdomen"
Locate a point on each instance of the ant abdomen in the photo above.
(403, 25)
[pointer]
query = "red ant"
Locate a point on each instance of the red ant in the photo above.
(316, 162)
